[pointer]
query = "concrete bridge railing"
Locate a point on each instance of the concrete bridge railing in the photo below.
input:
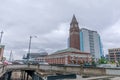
(113, 71)
(75, 69)
(2, 70)
(71, 69)
(85, 71)
(16, 67)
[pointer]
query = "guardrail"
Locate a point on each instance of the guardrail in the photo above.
(2, 70)
(71, 69)
(83, 70)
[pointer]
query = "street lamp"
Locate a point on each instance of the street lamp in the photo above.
(30, 46)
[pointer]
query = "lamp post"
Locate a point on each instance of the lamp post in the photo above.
(29, 44)
(30, 47)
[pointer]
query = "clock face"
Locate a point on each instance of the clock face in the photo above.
(74, 25)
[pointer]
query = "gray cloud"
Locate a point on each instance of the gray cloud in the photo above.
(49, 20)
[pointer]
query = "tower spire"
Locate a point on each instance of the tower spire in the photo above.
(74, 20)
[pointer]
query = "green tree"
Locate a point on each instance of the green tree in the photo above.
(103, 61)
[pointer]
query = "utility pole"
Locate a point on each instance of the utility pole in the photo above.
(1, 36)
(28, 56)
(29, 44)
(11, 56)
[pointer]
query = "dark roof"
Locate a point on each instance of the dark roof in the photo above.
(71, 50)
(35, 55)
(68, 50)
(74, 20)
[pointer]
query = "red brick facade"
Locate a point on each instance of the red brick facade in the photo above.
(72, 55)
(68, 58)
(1, 52)
(74, 34)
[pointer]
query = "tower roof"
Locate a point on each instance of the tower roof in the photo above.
(69, 50)
(74, 20)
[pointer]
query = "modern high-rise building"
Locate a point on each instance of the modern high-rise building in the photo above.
(85, 40)
(90, 42)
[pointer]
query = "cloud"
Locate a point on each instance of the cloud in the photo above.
(49, 20)
(111, 36)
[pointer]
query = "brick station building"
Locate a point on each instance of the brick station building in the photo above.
(71, 55)
(68, 56)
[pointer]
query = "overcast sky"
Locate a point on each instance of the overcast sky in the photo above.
(49, 20)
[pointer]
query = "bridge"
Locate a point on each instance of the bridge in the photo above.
(40, 72)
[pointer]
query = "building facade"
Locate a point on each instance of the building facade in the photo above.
(1, 52)
(85, 40)
(90, 42)
(35, 58)
(74, 34)
(114, 54)
(69, 56)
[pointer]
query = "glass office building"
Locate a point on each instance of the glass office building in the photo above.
(90, 42)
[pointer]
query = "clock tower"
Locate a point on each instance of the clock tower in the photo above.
(74, 34)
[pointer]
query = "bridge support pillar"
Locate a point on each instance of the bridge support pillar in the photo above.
(36, 77)
(24, 75)
(27, 76)
(7, 76)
